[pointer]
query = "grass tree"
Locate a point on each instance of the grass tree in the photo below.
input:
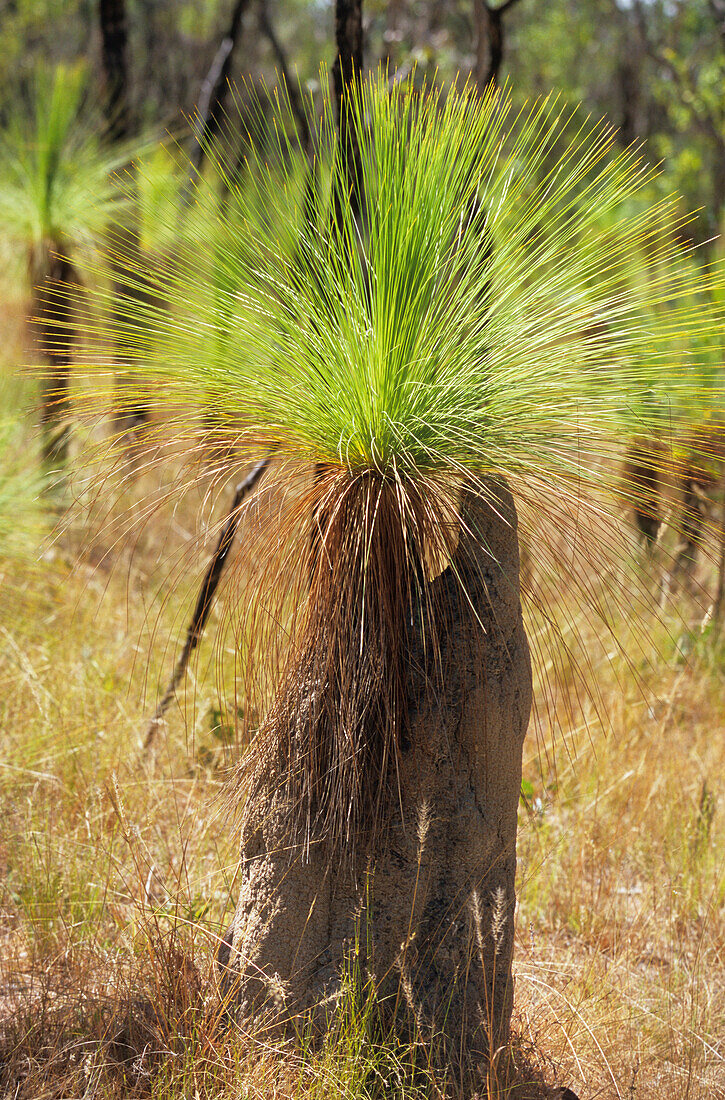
(461, 344)
(693, 460)
(699, 466)
(56, 198)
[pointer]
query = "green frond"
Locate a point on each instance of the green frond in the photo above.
(159, 181)
(480, 317)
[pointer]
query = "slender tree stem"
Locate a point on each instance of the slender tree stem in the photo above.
(211, 96)
(206, 596)
(291, 84)
(124, 248)
(490, 41)
(346, 70)
(114, 51)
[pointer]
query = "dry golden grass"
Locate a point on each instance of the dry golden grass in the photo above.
(117, 873)
(621, 960)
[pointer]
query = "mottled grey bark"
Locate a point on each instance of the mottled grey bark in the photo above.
(433, 910)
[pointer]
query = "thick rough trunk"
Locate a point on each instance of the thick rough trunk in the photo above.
(433, 911)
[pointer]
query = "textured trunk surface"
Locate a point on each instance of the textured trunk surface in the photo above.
(433, 911)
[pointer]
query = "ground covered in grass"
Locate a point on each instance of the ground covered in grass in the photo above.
(117, 868)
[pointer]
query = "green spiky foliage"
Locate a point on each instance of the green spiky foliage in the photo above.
(56, 185)
(473, 325)
(57, 196)
(690, 418)
(698, 454)
(693, 336)
(161, 175)
(683, 420)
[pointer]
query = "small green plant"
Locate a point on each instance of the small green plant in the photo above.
(57, 197)
(21, 486)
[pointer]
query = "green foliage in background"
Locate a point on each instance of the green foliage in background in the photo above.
(655, 69)
(57, 186)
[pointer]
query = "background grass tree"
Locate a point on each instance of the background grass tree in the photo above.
(681, 472)
(471, 344)
(57, 196)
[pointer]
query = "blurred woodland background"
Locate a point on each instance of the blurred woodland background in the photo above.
(653, 68)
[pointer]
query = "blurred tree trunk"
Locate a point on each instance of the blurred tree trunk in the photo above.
(489, 41)
(210, 109)
(54, 331)
(392, 36)
(349, 43)
(114, 53)
(629, 77)
(346, 70)
(628, 74)
(644, 462)
(718, 613)
(717, 8)
(131, 410)
(292, 85)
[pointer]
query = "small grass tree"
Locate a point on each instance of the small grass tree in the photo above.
(56, 198)
(21, 526)
(694, 460)
(464, 342)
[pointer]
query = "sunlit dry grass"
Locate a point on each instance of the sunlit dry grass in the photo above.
(117, 872)
(621, 954)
